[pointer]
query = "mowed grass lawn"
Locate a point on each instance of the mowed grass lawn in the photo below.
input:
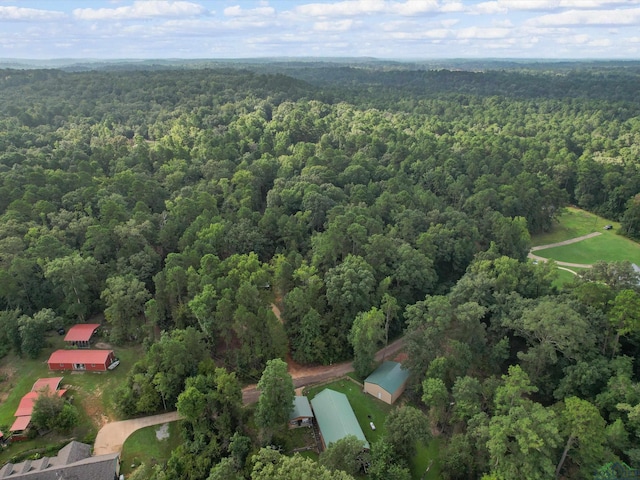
(608, 247)
(91, 392)
(574, 223)
(144, 446)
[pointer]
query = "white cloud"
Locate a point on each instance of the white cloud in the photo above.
(600, 42)
(141, 9)
(529, 4)
(629, 16)
(488, 8)
(436, 33)
(596, 3)
(29, 14)
(452, 6)
(450, 22)
(414, 7)
(580, 39)
(238, 11)
(346, 8)
(334, 26)
(482, 33)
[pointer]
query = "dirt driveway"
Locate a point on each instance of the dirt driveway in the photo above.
(303, 376)
(112, 436)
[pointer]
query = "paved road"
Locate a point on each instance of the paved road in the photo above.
(560, 244)
(111, 437)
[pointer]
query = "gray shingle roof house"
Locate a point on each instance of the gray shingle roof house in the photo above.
(335, 417)
(387, 382)
(73, 462)
(301, 414)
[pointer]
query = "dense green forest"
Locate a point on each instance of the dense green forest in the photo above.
(367, 201)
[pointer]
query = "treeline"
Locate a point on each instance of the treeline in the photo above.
(190, 201)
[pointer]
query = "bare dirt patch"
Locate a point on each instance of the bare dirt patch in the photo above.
(7, 374)
(103, 345)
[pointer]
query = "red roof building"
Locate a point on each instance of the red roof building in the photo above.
(25, 407)
(52, 384)
(79, 335)
(21, 424)
(81, 360)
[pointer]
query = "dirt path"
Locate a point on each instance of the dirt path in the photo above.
(566, 242)
(563, 264)
(303, 376)
(111, 437)
(560, 244)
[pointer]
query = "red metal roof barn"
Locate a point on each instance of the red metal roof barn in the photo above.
(81, 360)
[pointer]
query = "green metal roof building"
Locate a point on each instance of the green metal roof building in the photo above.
(387, 382)
(301, 414)
(335, 417)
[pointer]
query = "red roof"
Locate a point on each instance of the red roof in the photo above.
(26, 404)
(80, 356)
(81, 332)
(46, 383)
(21, 423)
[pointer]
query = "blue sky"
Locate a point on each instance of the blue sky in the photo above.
(401, 29)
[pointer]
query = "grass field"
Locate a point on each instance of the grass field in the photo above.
(144, 446)
(607, 247)
(91, 392)
(574, 223)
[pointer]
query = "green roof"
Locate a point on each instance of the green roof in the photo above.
(301, 408)
(335, 417)
(389, 376)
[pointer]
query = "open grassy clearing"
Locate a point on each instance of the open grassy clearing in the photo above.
(150, 445)
(607, 247)
(91, 392)
(574, 223)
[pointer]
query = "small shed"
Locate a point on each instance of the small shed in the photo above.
(81, 360)
(387, 382)
(301, 414)
(20, 428)
(80, 335)
(335, 417)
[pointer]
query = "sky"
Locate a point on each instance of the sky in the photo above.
(386, 29)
